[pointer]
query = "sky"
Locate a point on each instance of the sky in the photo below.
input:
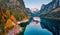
(35, 3)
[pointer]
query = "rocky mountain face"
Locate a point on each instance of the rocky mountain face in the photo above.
(12, 11)
(32, 13)
(45, 9)
(13, 4)
(29, 11)
(17, 7)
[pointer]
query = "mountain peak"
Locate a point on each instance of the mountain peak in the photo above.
(34, 9)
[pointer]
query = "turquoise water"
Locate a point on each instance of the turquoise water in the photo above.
(36, 30)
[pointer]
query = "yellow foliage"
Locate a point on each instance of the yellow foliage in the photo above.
(3, 20)
(7, 14)
(7, 11)
(9, 23)
(13, 18)
(15, 26)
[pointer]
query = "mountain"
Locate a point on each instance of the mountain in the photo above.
(49, 7)
(32, 12)
(50, 15)
(28, 11)
(54, 14)
(16, 7)
(36, 12)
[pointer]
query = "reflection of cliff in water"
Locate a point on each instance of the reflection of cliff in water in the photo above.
(51, 25)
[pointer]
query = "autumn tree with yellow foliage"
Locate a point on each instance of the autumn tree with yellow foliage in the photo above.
(6, 20)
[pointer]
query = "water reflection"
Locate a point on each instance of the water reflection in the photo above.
(34, 28)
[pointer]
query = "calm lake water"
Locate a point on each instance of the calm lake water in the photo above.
(34, 28)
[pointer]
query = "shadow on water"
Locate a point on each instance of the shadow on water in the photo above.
(52, 25)
(24, 26)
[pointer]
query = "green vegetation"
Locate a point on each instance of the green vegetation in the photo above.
(54, 14)
(51, 15)
(11, 13)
